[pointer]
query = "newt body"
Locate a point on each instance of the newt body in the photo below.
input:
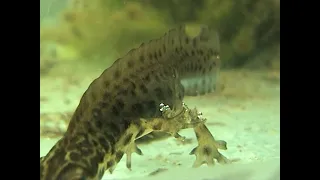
(140, 93)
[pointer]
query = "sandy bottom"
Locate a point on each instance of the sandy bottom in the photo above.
(246, 114)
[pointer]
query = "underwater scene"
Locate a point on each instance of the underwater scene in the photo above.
(149, 89)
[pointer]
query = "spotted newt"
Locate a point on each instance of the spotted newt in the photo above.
(141, 92)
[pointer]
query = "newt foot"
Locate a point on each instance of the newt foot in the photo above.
(132, 148)
(207, 150)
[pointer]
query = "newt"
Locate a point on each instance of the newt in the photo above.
(141, 92)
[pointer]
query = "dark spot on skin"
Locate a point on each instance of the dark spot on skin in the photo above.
(103, 105)
(98, 123)
(76, 117)
(119, 103)
(96, 160)
(216, 53)
(107, 84)
(150, 56)
(115, 127)
(119, 155)
(198, 67)
(201, 52)
(210, 67)
(127, 139)
(147, 78)
(150, 109)
(74, 156)
(123, 92)
(164, 48)
(142, 59)
(187, 67)
(205, 59)
(155, 56)
(208, 56)
(104, 143)
(194, 67)
(210, 52)
(151, 104)
(166, 72)
(207, 151)
(159, 53)
(113, 150)
(116, 87)
(85, 151)
(95, 142)
(115, 111)
(90, 129)
(159, 93)
(157, 78)
(133, 93)
(137, 108)
(116, 74)
(60, 157)
(157, 126)
(106, 96)
(204, 71)
(177, 50)
(193, 53)
(172, 41)
(142, 68)
(143, 88)
(194, 42)
(110, 138)
(126, 80)
(110, 164)
(187, 40)
(85, 142)
(133, 85)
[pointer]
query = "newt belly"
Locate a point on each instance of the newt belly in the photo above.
(140, 93)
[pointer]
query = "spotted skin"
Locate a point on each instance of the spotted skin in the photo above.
(127, 102)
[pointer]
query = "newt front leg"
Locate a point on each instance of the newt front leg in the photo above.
(207, 149)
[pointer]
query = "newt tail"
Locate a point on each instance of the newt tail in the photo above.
(140, 93)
